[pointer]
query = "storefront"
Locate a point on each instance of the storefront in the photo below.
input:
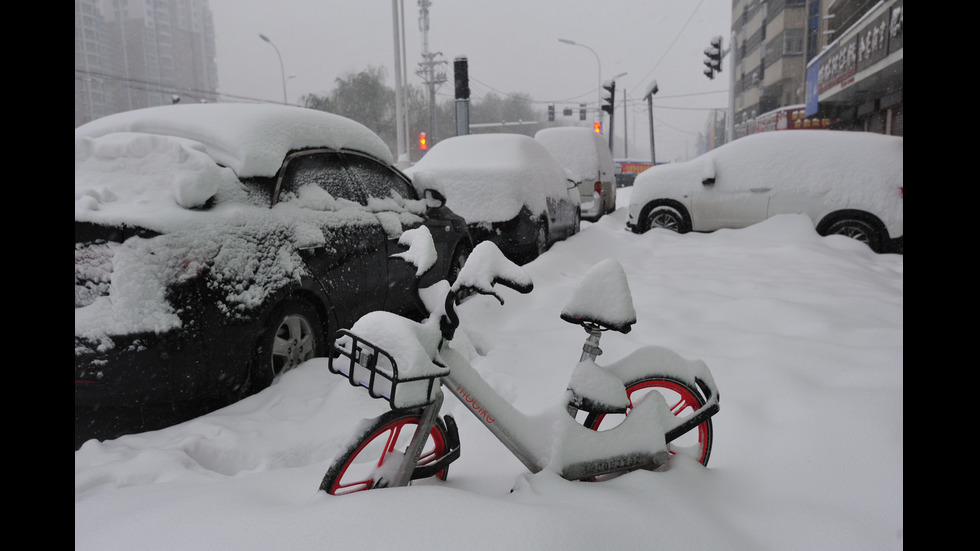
(857, 81)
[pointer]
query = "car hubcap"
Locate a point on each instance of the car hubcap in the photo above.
(293, 345)
(855, 233)
(663, 219)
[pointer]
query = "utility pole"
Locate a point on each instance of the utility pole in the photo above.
(626, 126)
(430, 69)
(401, 156)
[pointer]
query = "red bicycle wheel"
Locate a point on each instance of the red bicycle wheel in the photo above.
(682, 399)
(371, 460)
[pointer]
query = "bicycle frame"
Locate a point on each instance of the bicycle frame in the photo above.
(583, 452)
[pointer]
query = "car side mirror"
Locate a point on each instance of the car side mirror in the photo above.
(434, 199)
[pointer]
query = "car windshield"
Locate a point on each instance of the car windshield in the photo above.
(324, 170)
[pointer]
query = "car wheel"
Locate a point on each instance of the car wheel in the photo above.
(541, 242)
(293, 334)
(861, 230)
(577, 224)
(668, 218)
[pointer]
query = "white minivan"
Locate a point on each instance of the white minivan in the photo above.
(585, 156)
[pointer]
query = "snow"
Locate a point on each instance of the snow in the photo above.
(231, 134)
(603, 296)
(488, 178)
(803, 335)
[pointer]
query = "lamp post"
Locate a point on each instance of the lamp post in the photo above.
(282, 67)
(650, 92)
(599, 63)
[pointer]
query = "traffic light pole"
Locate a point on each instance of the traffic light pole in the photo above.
(462, 81)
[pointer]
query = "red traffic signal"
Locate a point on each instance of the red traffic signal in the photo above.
(597, 126)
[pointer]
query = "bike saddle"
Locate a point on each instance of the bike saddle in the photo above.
(602, 299)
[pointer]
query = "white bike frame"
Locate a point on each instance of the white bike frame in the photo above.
(553, 439)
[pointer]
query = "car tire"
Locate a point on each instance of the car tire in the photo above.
(293, 334)
(666, 217)
(541, 240)
(856, 228)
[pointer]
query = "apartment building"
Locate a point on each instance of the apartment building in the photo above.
(131, 54)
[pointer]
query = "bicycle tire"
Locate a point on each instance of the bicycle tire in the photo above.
(359, 467)
(682, 399)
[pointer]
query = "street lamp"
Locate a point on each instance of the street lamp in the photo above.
(599, 63)
(282, 67)
(650, 92)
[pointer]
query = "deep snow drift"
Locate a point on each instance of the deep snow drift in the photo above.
(803, 334)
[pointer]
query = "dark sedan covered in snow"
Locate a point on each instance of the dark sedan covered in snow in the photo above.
(219, 245)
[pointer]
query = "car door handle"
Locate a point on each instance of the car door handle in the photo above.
(760, 189)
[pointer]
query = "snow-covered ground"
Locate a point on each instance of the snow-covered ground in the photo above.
(804, 337)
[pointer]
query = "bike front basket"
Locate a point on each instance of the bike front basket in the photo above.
(374, 369)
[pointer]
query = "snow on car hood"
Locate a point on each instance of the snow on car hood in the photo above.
(251, 139)
(154, 181)
(489, 177)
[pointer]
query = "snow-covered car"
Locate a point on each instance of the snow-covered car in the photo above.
(585, 155)
(510, 190)
(219, 245)
(848, 183)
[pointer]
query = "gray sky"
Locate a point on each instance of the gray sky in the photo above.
(512, 47)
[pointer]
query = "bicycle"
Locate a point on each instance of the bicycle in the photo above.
(409, 363)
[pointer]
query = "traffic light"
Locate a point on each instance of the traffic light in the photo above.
(597, 126)
(551, 113)
(712, 61)
(581, 111)
(461, 77)
(609, 101)
(422, 143)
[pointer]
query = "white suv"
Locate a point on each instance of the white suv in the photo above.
(848, 183)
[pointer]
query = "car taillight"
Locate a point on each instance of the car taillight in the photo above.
(598, 188)
(195, 264)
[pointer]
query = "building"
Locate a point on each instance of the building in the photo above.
(767, 58)
(131, 54)
(817, 64)
(855, 75)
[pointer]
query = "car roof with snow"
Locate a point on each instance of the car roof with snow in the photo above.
(580, 150)
(489, 177)
(252, 139)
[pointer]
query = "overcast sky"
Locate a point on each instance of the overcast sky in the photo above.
(512, 47)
